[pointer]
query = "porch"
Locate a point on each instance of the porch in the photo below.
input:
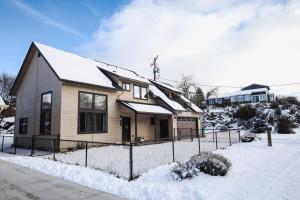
(140, 121)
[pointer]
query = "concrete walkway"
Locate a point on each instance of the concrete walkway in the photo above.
(19, 183)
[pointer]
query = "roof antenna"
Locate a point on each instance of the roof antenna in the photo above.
(156, 69)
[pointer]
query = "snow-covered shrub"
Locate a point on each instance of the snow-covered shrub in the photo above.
(245, 112)
(284, 125)
(206, 162)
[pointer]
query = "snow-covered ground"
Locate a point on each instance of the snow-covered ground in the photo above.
(258, 172)
(115, 159)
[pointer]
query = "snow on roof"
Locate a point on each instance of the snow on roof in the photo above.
(173, 104)
(237, 93)
(146, 108)
(168, 86)
(119, 71)
(191, 104)
(2, 103)
(69, 66)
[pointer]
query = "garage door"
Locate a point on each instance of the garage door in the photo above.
(186, 126)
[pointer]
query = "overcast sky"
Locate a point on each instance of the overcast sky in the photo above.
(232, 43)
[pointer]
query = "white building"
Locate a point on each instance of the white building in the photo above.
(253, 93)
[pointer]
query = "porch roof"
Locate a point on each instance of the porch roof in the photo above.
(142, 108)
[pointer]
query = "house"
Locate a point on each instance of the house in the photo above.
(66, 96)
(253, 93)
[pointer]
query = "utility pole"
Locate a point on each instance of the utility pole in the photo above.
(155, 67)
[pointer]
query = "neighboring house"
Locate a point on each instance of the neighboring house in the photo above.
(253, 93)
(66, 96)
(3, 105)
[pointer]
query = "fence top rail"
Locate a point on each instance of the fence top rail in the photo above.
(93, 142)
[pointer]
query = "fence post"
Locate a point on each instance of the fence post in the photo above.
(86, 153)
(15, 145)
(239, 131)
(2, 147)
(213, 134)
(54, 148)
(173, 150)
(199, 142)
(269, 137)
(229, 138)
(192, 135)
(130, 162)
(32, 145)
(216, 141)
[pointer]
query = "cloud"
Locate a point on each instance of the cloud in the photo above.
(219, 42)
(46, 20)
(91, 9)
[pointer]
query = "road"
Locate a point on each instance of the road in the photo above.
(19, 183)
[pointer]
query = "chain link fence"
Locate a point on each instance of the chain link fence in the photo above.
(124, 160)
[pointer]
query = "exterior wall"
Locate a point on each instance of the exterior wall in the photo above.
(69, 115)
(128, 95)
(38, 79)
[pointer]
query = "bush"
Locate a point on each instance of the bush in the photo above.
(284, 125)
(245, 112)
(274, 105)
(206, 162)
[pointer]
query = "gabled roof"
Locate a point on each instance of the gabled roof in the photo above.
(71, 67)
(173, 104)
(166, 86)
(74, 68)
(191, 104)
(255, 86)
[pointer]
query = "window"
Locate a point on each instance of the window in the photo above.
(46, 109)
(240, 98)
(140, 92)
(23, 125)
(126, 86)
(92, 113)
(152, 121)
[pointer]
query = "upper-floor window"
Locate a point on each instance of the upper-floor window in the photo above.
(126, 86)
(46, 109)
(23, 126)
(140, 92)
(92, 113)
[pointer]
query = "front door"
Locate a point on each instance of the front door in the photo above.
(126, 129)
(164, 128)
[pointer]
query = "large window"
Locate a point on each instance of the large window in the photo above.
(23, 126)
(46, 109)
(140, 92)
(126, 86)
(92, 113)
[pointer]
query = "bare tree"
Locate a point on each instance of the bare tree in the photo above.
(187, 85)
(211, 92)
(6, 82)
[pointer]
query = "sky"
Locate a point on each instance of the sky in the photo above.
(219, 42)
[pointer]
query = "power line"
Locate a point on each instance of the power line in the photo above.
(227, 86)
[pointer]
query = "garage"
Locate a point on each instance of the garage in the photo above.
(186, 126)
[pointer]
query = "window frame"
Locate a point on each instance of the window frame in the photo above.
(46, 110)
(140, 92)
(125, 83)
(20, 120)
(94, 112)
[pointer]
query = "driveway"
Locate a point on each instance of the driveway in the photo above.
(19, 183)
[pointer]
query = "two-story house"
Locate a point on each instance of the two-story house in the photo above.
(66, 96)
